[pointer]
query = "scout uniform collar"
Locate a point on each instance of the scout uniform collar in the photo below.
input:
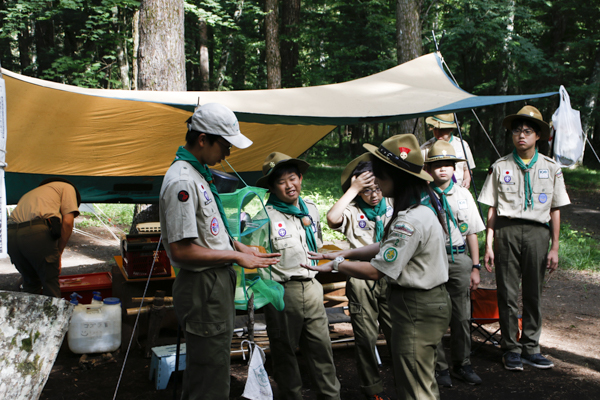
(184, 155)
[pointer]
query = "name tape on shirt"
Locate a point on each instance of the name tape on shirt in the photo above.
(462, 204)
(543, 174)
(389, 211)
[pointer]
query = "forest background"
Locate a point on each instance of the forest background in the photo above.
(492, 47)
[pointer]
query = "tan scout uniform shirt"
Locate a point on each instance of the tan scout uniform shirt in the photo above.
(464, 209)
(188, 211)
(504, 189)
(356, 226)
(54, 199)
(288, 237)
(459, 171)
(414, 253)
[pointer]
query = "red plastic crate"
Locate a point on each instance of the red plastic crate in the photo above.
(138, 264)
(85, 285)
(139, 252)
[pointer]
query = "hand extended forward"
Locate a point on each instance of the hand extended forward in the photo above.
(256, 259)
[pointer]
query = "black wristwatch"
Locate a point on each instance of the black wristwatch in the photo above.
(478, 266)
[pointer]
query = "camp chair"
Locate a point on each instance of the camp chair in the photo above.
(484, 311)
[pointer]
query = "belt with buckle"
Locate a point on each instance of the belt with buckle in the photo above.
(456, 249)
(37, 221)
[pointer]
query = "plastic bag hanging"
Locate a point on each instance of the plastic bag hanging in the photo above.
(258, 386)
(568, 136)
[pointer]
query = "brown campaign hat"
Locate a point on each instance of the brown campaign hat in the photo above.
(403, 152)
(349, 170)
(441, 121)
(529, 113)
(440, 151)
(277, 160)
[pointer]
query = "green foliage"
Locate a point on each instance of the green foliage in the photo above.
(578, 250)
(120, 215)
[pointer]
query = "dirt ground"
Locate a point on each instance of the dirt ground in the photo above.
(570, 339)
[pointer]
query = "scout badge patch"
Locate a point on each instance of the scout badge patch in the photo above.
(543, 198)
(403, 229)
(404, 152)
(183, 196)
(204, 193)
(463, 227)
(281, 231)
(390, 254)
(507, 176)
(214, 226)
(362, 220)
(389, 211)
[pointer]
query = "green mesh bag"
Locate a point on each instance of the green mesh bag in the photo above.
(249, 223)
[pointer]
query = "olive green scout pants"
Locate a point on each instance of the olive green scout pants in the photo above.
(204, 303)
(520, 249)
(303, 323)
(419, 320)
(368, 305)
(460, 326)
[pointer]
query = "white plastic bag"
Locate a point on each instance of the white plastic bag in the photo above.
(258, 386)
(568, 138)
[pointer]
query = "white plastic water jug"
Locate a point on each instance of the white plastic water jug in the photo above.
(96, 328)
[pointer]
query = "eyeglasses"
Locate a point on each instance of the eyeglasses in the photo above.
(368, 192)
(526, 132)
(226, 145)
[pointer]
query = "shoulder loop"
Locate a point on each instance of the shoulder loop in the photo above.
(184, 173)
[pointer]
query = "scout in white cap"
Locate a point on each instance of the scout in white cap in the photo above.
(195, 234)
(412, 255)
(525, 191)
(463, 223)
(443, 126)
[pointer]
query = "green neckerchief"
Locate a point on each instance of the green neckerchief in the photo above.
(374, 214)
(300, 213)
(448, 211)
(527, 180)
(426, 201)
(184, 155)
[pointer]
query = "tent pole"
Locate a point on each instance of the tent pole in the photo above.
(462, 143)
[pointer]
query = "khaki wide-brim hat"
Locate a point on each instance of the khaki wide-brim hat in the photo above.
(349, 169)
(441, 121)
(442, 151)
(277, 160)
(403, 152)
(529, 113)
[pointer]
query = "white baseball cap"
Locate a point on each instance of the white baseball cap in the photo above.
(216, 119)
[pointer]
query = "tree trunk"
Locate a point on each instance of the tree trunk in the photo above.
(24, 49)
(44, 44)
(161, 53)
(227, 49)
(122, 59)
(135, 26)
(498, 131)
(272, 44)
(204, 63)
(290, 18)
(409, 47)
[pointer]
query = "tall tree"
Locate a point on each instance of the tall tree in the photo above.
(409, 47)
(290, 19)
(161, 52)
(273, 56)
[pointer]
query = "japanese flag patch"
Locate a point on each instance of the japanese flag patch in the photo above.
(362, 220)
(280, 227)
(507, 176)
